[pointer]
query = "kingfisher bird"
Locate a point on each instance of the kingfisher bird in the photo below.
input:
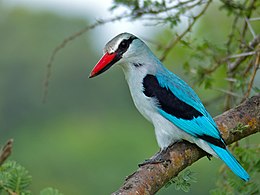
(165, 100)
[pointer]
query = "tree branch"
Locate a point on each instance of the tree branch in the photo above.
(148, 179)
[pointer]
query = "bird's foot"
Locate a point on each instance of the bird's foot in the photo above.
(209, 156)
(158, 158)
(153, 161)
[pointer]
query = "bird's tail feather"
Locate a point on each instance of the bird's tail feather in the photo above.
(231, 162)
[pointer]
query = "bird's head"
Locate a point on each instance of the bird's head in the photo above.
(121, 49)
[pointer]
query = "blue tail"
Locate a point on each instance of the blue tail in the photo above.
(231, 162)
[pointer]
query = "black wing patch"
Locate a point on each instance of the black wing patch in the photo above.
(167, 100)
(212, 140)
(169, 103)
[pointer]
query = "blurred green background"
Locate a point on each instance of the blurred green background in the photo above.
(88, 136)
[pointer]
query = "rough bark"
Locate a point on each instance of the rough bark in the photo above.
(234, 124)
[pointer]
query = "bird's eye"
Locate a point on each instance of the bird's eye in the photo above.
(124, 44)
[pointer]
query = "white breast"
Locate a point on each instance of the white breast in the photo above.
(166, 132)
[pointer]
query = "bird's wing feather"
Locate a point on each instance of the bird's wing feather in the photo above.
(198, 125)
(183, 92)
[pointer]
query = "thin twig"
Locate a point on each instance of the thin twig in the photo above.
(250, 85)
(254, 19)
(248, 68)
(250, 27)
(65, 42)
(228, 92)
(251, 7)
(231, 34)
(175, 40)
(213, 68)
(241, 55)
(229, 79)
(231, 37)
(233, 66)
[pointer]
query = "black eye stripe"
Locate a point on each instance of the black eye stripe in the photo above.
(124, 45)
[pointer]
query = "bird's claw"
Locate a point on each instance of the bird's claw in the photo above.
(151, 161)
(157, 159)
(209, 156)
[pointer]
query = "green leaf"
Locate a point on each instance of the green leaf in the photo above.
(168, 184)
(185, 187)
(183, 180)
(14, 178)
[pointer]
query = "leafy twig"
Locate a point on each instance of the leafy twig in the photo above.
(174, 41)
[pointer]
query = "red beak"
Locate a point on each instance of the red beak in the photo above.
(103, 64)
